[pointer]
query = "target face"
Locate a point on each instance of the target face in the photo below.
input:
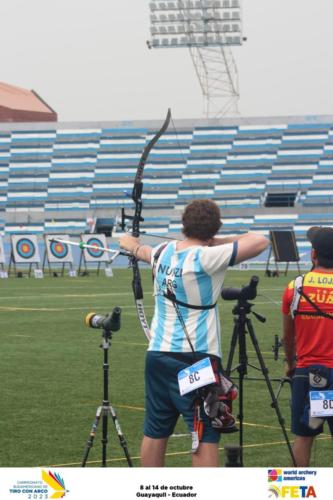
(57, 251)
(95, 254)
(25, 248)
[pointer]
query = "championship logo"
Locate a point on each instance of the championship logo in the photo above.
(56, 482)
(50, 485)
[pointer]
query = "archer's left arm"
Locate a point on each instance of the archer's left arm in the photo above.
(134, 246)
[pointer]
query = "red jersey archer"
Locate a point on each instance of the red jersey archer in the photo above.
(314, 334)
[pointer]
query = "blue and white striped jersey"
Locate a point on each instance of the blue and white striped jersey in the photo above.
(196, 276)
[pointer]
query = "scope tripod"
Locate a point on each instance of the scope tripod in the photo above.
(105, 411)
(243, 325)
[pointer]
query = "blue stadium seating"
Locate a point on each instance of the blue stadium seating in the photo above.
(53, 177)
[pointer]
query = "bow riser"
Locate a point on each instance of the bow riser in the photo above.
(137, 199)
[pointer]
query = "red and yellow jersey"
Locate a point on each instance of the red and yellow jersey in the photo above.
(314, 334)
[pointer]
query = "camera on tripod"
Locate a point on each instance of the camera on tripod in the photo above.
(243, 326)
(247, 292)
(109, 322)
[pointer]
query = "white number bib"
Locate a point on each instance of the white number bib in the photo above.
(195, 376)
(321, 403)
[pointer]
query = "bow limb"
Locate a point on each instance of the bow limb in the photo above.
(137, 198)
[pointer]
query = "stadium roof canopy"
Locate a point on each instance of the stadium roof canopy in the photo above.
(21, 105)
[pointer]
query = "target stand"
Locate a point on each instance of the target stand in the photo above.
(3, 270)
(284, 248)
(59, 254)
(24, 252)
(94, 256)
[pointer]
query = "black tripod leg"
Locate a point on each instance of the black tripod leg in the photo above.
(281, 384)
(92, 435)
(232, 347)
(121, 436)
(242, 371)
(264, 370)
(104, 434)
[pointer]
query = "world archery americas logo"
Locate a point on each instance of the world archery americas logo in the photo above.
(274, 475)
(291, 492)
(286, 491)
(56, 482)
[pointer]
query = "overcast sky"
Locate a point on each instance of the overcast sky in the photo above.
(89, 59)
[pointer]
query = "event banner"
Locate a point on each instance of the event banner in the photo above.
(57, 251)
(169, 483)
(25, 249)
(95, 254)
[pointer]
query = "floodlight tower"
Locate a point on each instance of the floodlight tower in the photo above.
(208, 28)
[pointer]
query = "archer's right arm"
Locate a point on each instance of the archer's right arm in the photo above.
(249, 245)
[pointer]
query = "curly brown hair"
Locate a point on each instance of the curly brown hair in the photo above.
(201, 219)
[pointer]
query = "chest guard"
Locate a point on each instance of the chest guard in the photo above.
(298, 293)
(298, 284)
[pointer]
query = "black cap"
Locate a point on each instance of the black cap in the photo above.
(321, 239)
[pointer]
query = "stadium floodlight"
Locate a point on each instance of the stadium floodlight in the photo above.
(196, 23)
(208, 28)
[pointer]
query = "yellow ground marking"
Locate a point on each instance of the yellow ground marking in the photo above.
(139, 408)
(131, 343)
(52, 309)
(30, 309)
(264, 426)
(23, 336)
(71, 295)
(175, 453)
(46, 309)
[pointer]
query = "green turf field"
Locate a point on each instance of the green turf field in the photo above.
(51, 373)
